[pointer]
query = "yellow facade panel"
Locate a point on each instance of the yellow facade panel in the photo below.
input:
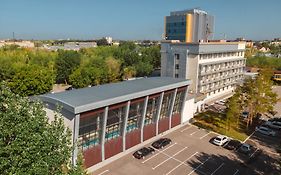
(189, 28)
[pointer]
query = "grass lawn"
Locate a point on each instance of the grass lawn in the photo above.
(216, 122)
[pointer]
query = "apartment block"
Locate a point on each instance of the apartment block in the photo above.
(213, 68)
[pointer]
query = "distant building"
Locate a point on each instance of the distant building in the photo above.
(72, 46)
(189, 26)
(263, 49)
(109, 40)
(213, 68)
(23, 43)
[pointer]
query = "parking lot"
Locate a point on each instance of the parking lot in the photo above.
(189, 153)
(192, 153)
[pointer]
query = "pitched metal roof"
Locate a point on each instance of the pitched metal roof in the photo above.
(85, 99)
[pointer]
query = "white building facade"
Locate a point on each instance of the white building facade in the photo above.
(213, 68)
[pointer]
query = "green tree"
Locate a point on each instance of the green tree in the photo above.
(65, 64)
(129, 72)
(30, 143)
(234, 108)
(32, 80)
(258, 95)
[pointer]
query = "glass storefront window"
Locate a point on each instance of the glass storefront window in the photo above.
(90, 130)
(151, 110)
(114, 123)
(166, 105)
(135, 114)
(178, 102)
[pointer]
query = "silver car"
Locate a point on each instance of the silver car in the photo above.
(273, 124)
(265, 131)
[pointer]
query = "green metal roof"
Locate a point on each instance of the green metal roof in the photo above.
(85, 99)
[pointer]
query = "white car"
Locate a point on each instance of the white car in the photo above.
(273, 124)
(220, 140)
(265, 131)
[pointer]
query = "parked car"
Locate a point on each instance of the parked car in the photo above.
(273, 124)
(232, 144)
(245, 148)
(69, 88)
(220, 140)
(277, 119)
(161, 143)
(141, 153)
(265, 130)
(245, 114)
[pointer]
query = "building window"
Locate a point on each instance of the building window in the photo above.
(151, 110)
(114, 122)
(135, 114)
(177, 56)
(166, 105)
(90, 130)
(176, 75)
(177, 66)
(178, 102)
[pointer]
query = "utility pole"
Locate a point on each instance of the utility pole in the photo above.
(13, 36)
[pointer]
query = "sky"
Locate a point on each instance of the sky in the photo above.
(133, 19)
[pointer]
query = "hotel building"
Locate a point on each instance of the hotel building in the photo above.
(214, 68)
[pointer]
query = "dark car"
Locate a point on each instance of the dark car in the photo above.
(141, 153)
(161, 143)
(245, 148)
(69, 88)
(232, 144)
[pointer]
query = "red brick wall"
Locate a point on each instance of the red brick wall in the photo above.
(149, 131)
(113, 147)
(176, 120)
(92, 156)
(163, 125)
(133, 138)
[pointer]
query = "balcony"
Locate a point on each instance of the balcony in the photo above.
(220, 78)
(210, 71)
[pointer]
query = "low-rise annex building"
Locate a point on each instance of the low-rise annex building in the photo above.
(110, 119)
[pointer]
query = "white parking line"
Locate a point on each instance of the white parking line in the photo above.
(159, 152)
(253, 153)
(199, 166)
(217, 168)
(236, 172)
(182, 163)
(248, 137)
(186, 128)
(193, 133)
(204, 135)
(104, 172)
(168, 158)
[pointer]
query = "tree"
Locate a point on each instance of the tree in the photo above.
(30, 143)
(65, 64)
(234, 108)
(129, 72)
(258, 95)
(102, 42)
(32, 80)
